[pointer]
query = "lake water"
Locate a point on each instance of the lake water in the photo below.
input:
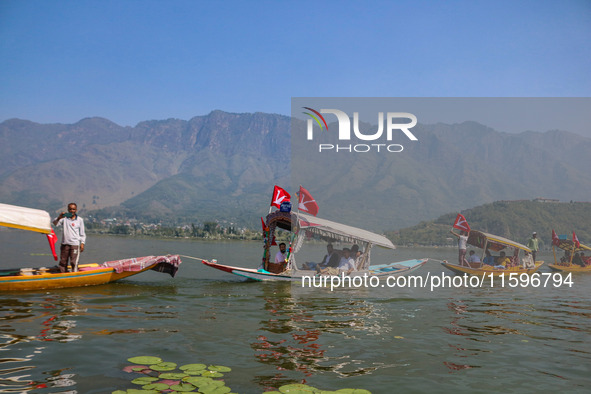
(383, 340)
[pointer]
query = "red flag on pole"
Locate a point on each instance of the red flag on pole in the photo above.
(263, 224)
(52, 238)
(576, 240)
(461, 223)
(306, 203)
(555, 239)
(279, 196)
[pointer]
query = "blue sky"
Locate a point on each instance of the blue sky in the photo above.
(130, 61)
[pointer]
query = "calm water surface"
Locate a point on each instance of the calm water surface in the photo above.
(384, 340)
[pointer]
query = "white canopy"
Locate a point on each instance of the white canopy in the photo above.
(326, 228)
(25, 218)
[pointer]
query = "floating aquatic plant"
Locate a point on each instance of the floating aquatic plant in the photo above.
(198, 378)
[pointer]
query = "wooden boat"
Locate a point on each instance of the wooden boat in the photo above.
(303, 226)
(565, 264)
(88, 274)
(494, 243)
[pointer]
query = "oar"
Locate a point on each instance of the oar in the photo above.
(77, 259)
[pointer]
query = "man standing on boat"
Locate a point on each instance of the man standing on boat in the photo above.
(73, 237)
(462, 245)
(533, 245)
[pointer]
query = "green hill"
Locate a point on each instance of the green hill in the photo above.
(515, 220)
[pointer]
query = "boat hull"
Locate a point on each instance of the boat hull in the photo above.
(381, 271)
(487, 270)
(63, 280)
(569, 268)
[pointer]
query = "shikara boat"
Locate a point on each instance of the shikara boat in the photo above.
(88, 274)
(494, 244)
(568, 262)
(304, 227)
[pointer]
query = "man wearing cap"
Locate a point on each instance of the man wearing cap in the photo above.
(533, 245)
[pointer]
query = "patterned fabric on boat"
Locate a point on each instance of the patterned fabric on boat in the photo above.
(167, 264)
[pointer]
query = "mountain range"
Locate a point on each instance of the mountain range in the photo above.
(222, 166)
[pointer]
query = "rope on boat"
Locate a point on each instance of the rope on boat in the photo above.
(194, 258)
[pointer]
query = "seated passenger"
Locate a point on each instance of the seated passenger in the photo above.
(503, 261)
(528, 261)
(346, 265)
(281, 254)
(473, 257)
(488, 258)
(359, 259)
(577, 260)
(330, 259)
(566, 258)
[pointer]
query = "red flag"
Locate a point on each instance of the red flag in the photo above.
(555, 239)
(52, 238)
(279, 196)
(263, 224)
(576, 240)
(306, 203)
(461, 223)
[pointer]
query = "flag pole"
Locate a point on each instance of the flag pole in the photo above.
(293, 235)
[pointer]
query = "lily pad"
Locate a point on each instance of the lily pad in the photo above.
(134, 368)
(170, 382)
(173, 375)
(156, 386)
(214, 389)
(212, 374)
(192, 366)
(198, 380)
(144, 380)
(297, 389)
(183, 387)
(163, 366)
(145, 360)
(219, 368)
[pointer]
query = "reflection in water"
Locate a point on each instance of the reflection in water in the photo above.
(292, 338)
(34, 326)
(43, 318)
(483, 326)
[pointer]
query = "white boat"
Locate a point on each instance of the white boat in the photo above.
(304, 227)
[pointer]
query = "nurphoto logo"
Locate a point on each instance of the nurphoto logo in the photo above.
(396, 124)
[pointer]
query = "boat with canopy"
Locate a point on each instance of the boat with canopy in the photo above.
(42, 278)
(305, 228)
(576, 256)
(495, 244)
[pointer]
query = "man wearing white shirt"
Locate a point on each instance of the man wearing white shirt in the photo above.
(347, 263)
(73, 237)
(281, 254)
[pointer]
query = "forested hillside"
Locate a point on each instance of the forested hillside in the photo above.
(515, 220)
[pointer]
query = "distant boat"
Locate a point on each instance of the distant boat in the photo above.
(494, 243)
(42, 278)
(302, 226)
(568, 263)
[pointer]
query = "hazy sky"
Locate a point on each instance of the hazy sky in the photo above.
(129, 61)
